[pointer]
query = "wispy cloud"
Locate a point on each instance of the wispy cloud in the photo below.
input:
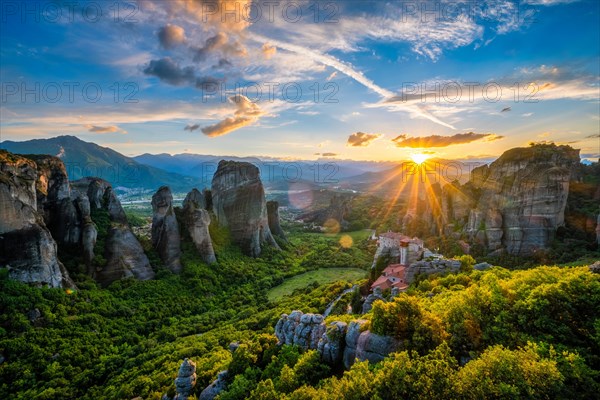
(442, 141)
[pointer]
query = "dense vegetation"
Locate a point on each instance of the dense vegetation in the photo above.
(497, 334)
(502, 333)
(128, 339)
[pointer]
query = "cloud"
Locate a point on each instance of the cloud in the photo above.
(246, 113)
(105, 129)
(594, 136)
(361, 139)
(326, 154)
(169, 71)
(526, 115)
(505, 109)
(171, 36)
(268, 50)
(350, 71)
(219, 43)
(442, 141)
(548, 2)
(333, 75)
(191, 127)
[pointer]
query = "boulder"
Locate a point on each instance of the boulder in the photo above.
(186, 380)
(375, 348)
(238, 200)
(482, 266)
(371, 298)
(215, 388)
(165, 229)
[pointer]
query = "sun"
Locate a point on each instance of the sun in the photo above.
(419, 158)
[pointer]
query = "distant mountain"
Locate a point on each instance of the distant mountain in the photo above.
(275, 174)
(89, 159)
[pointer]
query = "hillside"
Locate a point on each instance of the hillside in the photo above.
(84, 159)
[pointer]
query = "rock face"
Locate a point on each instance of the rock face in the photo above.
(238, 200)
(351, 340)
(27, 248)
(125, 257)
(42, 211)
(337, 343)
(165, 229)
(376, 295)
(304, 330)
(375, 348)
(331, 344)
(273, 217)
(338, 210)
(215, 388)
(434, 266)
(515, 204)
(197, 220)
(186, 380)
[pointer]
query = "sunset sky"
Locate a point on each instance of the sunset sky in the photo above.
(175, 67)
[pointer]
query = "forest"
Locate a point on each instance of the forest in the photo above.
(501, 333)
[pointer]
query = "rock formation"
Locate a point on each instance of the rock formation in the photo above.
(431, 266)
(27, 248)
(238, 200)
(338, 210)
(337, 343)
(368, 304)
(197, 220)
(124, 255)
(273, 217)
(186, 380)
(215, 388)
(165, 229)
(42, 211)
(515, 204)
(355, 328)
(331, 345)
(304, 330)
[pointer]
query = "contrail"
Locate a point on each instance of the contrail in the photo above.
(348, 70)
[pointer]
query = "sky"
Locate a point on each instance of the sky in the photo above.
(363, 80)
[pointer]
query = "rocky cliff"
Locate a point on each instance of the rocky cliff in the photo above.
(27, 248)
(196, 221)
(335, 214)
(515, 204)
(123, 254)
(337, 343)
(238, 200)
(165, 229)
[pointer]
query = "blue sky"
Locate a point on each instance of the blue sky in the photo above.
(387, 76)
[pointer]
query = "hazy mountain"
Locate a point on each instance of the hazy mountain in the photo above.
(277, 174)
(89, 159)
